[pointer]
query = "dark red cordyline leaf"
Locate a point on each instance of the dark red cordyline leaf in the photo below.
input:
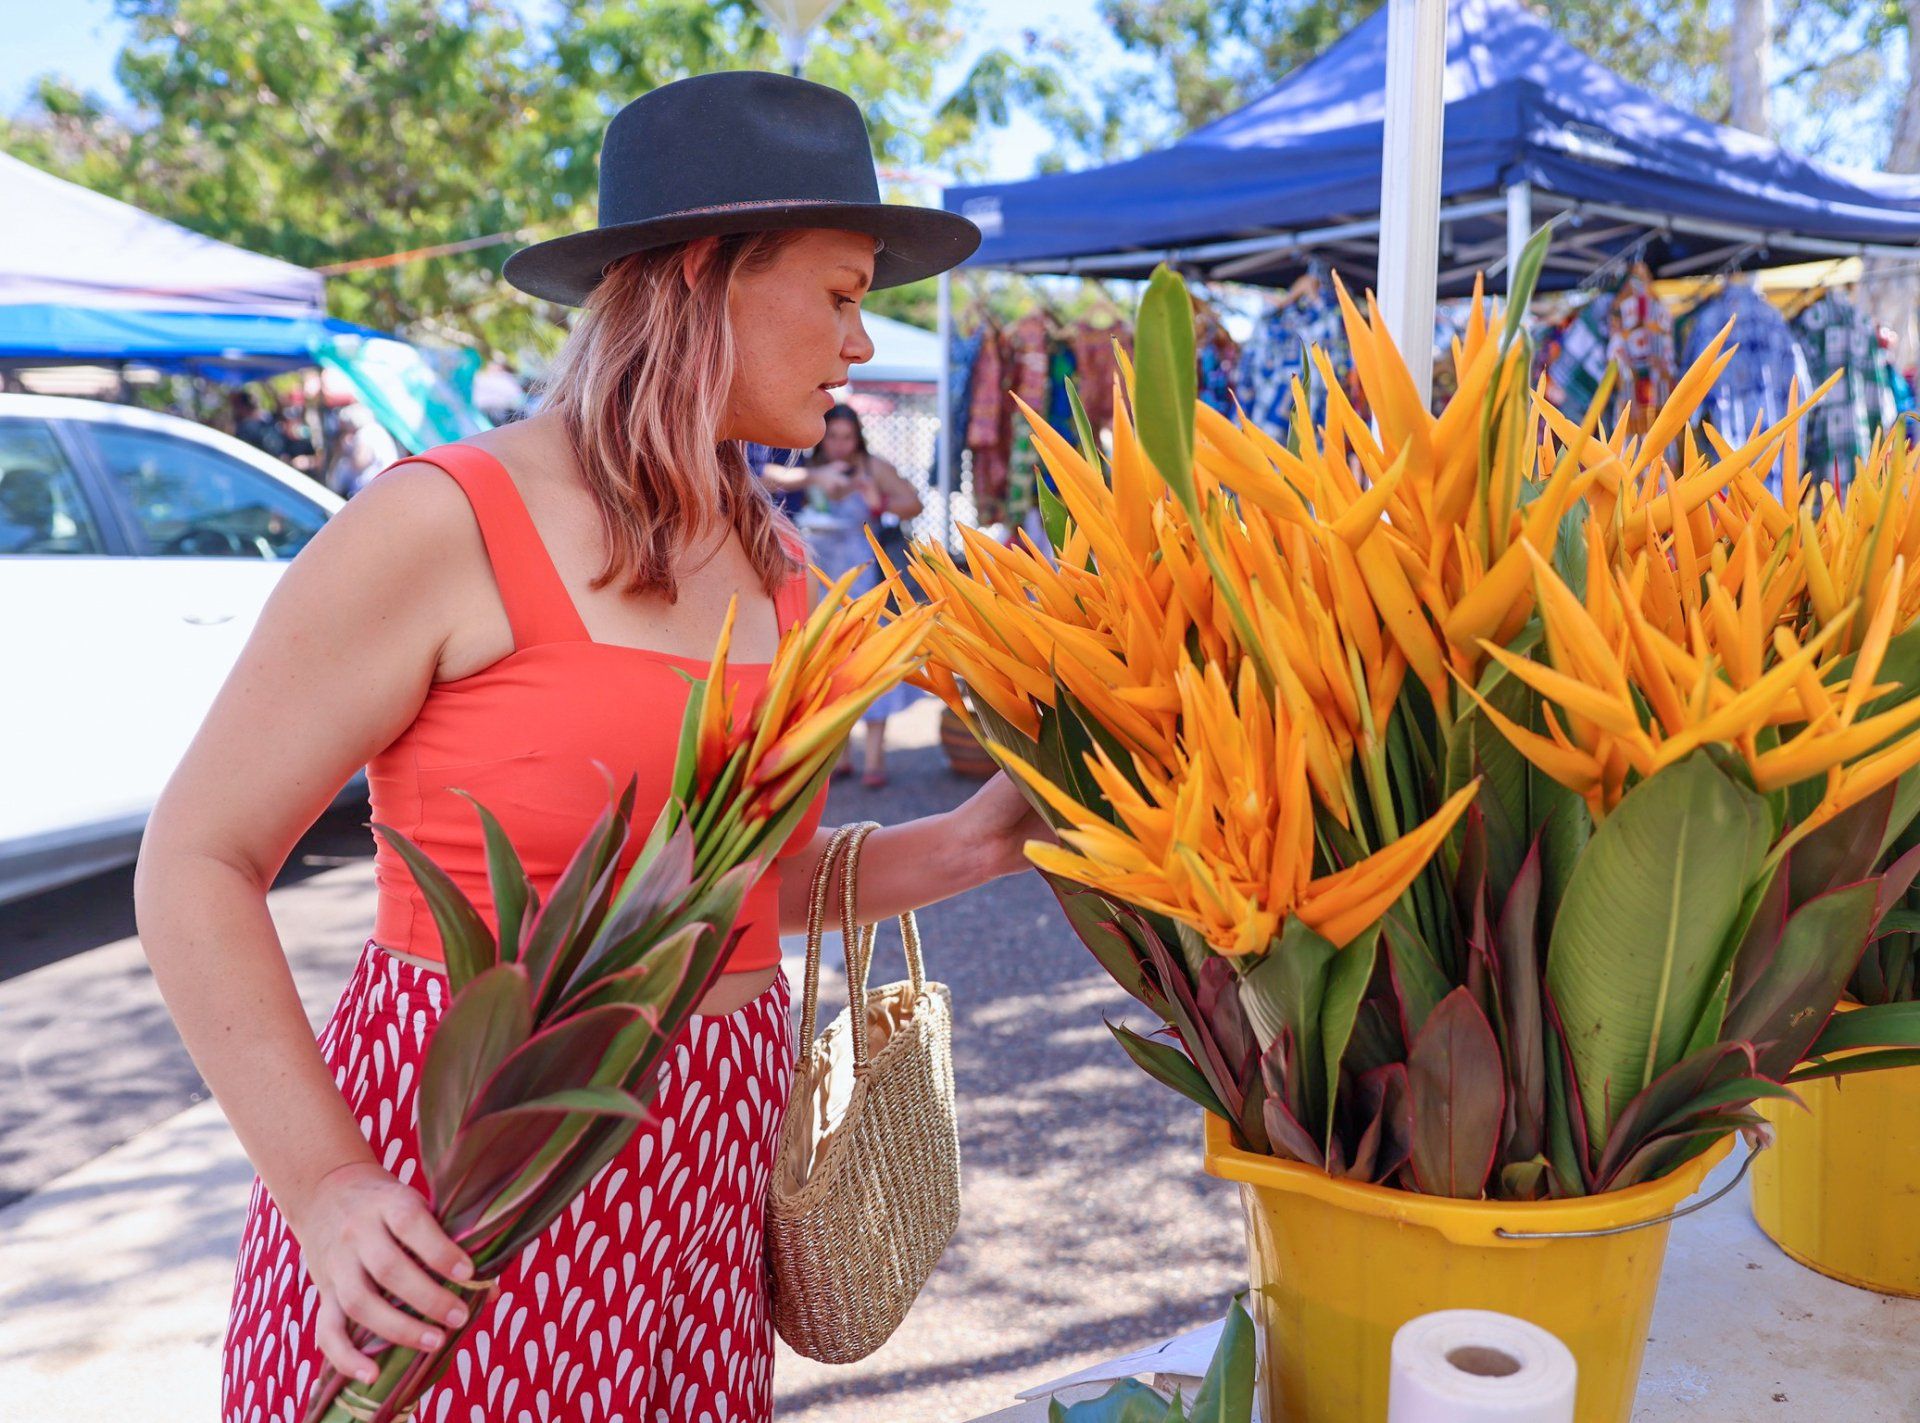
(485, 1023)
(1457, 1085)
(1518, 956)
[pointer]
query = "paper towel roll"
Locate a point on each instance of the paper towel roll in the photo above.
(1475, 1366)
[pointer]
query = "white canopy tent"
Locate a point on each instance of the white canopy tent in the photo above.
(70, 247)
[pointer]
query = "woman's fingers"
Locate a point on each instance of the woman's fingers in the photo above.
(362, 1302)
(417, 1228)
(331, 1334)
(396, 1272)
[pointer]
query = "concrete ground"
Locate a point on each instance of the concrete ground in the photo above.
(1087, 1226)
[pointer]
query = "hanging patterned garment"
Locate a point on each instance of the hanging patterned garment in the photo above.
(1753, 388)
(1573, 378)
(989, 428)
(1277, 353)
(1640, 341)
(1029, 355)
(1062, 367)
(1095, 369)
(963, 357)
(1835, 335)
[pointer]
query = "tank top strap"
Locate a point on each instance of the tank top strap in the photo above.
(539, 608)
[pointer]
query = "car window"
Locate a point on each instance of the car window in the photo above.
(42, 510)
(194, 502)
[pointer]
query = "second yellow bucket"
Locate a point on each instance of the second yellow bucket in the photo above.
(1337, 1268)
(1840, 1190)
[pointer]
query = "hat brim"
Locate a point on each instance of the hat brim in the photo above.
(919, 242)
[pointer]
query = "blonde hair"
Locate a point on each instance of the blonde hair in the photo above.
(641, 387)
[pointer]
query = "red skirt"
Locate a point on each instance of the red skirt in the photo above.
(646, 1300)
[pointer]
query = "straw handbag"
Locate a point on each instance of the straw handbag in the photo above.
(865, 1192)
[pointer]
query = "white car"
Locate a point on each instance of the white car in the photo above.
(136, 551)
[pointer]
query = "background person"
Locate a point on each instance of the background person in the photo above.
(849, 490)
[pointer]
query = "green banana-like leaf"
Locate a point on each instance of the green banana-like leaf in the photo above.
(1128, 1401)
(1097, 920)
(506, 877)
(1170, 1067)
(1852, 1066)
(1789, 1001)
(1287, 989)
(1226, 1393)
(1521, 281)
(1166, 383)
(1890, 1025)
(1642, 936)
(1347, 980)
(465, 940)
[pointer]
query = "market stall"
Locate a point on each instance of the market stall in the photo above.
(1533, 132)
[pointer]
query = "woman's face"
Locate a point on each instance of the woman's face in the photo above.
(840, 441)
(796, 330)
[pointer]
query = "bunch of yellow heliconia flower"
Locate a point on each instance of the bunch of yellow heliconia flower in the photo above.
(1237, 623)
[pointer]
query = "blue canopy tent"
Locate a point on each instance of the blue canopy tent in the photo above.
(219, 345)
(1533, 129)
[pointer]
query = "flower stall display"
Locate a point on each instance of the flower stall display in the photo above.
(1492, 807)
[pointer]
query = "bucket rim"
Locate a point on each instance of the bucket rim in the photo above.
(1464, 1222)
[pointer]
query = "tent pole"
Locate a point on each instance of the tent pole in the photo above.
(943, 446)
(1519, 225)
(1410, 180)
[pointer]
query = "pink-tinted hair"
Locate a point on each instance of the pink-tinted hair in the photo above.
(641, 389)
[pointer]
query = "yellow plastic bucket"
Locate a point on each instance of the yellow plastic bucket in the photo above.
(1840, 1190)
(1336, 1268)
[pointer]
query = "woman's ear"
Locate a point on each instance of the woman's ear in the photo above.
(694, 260)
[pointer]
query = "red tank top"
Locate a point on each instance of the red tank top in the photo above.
(521, 737)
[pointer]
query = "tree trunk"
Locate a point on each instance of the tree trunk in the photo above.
(1749, 48)
(1891, 295)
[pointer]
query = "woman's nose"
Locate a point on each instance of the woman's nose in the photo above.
(858, 348)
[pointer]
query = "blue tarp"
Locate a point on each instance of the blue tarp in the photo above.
(1522, 104)
(230, 347)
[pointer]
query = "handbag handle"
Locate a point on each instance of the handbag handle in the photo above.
(841, 863)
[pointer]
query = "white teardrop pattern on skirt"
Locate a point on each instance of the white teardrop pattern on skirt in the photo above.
(645, 1302)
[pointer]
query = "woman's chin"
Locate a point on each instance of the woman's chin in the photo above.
(800, 431)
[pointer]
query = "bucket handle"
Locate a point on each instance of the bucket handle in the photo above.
(1667, 1219)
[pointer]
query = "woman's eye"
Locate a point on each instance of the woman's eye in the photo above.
(846, 301)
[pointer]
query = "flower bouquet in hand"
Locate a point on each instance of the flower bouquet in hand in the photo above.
(1490, 805)
(548, 1056)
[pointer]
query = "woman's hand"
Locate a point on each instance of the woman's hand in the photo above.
(833, 480)
(365, 1236)
(997, 821)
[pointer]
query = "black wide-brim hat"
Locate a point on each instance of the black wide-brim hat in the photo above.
(743, 151)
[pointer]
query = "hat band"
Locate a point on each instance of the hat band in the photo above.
(758, 205)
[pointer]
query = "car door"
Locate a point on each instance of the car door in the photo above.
(74, 746)
(210, 535)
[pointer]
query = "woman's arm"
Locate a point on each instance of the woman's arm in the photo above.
(786, 477)
(921, 862)
(897, 494)
(337, 666)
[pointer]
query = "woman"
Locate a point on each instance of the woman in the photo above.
(496, 617)
(365, 450)
(849, 489)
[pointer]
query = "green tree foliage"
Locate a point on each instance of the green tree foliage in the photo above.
(331, 132)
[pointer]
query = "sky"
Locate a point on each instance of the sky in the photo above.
(80, 38)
